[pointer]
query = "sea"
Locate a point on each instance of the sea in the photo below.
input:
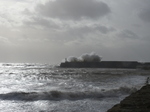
(30, 87)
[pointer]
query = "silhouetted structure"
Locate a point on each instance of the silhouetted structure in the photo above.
(102, 64)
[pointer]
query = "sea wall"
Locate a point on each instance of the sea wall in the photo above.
(102, 64)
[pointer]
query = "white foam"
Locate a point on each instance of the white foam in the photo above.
(92, 57)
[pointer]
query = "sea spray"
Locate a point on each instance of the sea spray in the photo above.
(92, 57)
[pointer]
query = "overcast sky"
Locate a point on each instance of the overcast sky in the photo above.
(47, 31)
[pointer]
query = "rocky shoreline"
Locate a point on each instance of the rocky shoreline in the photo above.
(136, 102)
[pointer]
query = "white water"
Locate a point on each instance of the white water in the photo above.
(44, 88)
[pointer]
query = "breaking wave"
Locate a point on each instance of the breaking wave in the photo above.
(62, 95)
(92, 57)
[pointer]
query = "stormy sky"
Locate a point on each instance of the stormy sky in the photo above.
(47, 31)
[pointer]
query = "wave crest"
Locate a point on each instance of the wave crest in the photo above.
(62, 95)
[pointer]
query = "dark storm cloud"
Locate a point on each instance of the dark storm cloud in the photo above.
(128, 34)
(74, 9)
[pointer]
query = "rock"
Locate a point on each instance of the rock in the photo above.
(136, 102)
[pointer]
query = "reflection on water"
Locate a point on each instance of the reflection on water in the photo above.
(43, 87)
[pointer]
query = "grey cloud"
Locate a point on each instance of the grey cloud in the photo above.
(84, 34)
(84, 30)
(136, 25)
(39, 21)
(74, 9)
(128, 34)
(144, 10)
(145, 15)
(104, 29)
(2, 39)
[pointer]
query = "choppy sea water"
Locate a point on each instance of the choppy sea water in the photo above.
(46, 88)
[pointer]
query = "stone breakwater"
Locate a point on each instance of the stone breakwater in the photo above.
(136, 102)
(106, 64)
(101, 64)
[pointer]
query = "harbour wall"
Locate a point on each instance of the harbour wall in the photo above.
(102, 64)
